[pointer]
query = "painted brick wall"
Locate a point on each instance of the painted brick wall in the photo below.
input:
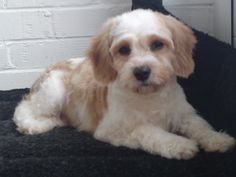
(36, 33)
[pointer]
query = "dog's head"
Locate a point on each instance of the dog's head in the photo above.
(142, 50)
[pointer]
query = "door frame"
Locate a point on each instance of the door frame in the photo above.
(223, 20)
(222, 11)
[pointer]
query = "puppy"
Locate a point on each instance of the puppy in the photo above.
(125, 91)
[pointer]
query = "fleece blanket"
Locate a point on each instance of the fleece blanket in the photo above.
(65, 152)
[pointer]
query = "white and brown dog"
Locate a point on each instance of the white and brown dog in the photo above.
(125, 91)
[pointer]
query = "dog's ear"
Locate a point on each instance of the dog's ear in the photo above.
(184, 42)
(100, 56)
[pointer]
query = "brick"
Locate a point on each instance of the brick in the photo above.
(25, 24)
(58, 3)
(3, 56)
(48, 3)
(18, 78)
(1, 4)
(39, 54)
(83, 22)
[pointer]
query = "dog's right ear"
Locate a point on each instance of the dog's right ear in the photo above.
(100, 56)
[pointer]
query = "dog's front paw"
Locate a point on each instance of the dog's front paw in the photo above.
(217, 142)
(181, 148)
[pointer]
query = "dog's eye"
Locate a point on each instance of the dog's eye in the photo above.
(156, 45)
(125, 50)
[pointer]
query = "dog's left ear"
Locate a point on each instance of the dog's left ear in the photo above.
(184, 42)
(100, 56)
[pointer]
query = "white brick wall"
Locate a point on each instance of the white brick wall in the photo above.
(3, 54)
(36, 33)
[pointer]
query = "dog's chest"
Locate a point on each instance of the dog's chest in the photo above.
(155, 109)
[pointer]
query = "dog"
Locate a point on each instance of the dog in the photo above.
(125, 90)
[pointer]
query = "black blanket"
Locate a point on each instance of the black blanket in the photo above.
(65, 152)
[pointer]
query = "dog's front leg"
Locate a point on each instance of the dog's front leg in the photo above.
(195, 127)
(158, 141)
(153, 140)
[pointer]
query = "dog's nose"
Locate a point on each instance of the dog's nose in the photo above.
(142, 73)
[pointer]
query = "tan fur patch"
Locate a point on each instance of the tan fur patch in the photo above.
(62, 66)
(184, 42)
(97, 105)
(84, 88)
(100, 55)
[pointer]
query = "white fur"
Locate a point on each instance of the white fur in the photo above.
(76, 62)
(148, 121)
(140, 23)
(145, 122)
(41, 113)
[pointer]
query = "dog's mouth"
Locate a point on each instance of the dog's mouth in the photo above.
(146, 88)
(145, 84)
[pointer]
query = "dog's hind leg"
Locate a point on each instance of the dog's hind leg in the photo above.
(40, 110)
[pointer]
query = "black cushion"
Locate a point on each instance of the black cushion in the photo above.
(65, 152)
